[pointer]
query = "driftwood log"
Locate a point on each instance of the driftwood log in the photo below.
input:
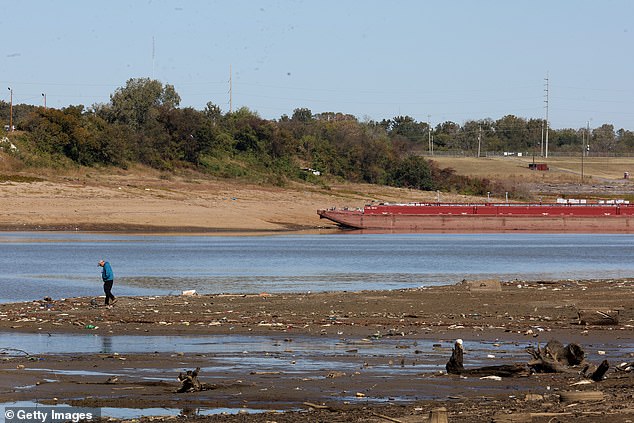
(598, 316)
(553, 358)
(557, 358)
(455, 366)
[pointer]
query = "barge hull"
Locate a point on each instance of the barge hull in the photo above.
(482, 223)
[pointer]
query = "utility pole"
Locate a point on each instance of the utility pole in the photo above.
(541, 153)
(479, 139)
(583, 152)
(230, 92)
(11, 111)
(546, 101)
(153, 51)
(588, 135)
(429, 134)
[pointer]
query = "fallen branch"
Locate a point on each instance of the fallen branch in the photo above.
(319, 407)
(387, 418)
(8, 351)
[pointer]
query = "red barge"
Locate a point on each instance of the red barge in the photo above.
(488, 217)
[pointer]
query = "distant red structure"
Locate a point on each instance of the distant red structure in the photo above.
(538, 166)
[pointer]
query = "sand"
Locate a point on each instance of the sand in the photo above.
(142, 202)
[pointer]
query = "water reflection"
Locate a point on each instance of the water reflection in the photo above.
(106, 344)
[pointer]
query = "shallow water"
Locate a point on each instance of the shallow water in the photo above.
(244, 352)
(60, 264)
(223, 358)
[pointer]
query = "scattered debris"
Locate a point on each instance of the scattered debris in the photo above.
(189, 381)
(335, 374)
(625, 367)
(486, 285)
(598, 317)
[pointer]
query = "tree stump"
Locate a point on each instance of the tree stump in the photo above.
(596, 373)
(455, 364)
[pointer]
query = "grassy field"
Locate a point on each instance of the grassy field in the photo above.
(561, 169)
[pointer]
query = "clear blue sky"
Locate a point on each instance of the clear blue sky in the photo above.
(445, 60)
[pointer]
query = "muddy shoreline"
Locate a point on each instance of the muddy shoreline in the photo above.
(353, 355)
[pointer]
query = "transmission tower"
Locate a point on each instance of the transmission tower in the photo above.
(546, 101)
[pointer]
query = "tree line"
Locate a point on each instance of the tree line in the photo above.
(144, 123)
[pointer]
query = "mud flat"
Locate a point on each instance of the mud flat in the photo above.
(345, 356)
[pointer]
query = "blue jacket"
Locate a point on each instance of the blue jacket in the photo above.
(107, 274)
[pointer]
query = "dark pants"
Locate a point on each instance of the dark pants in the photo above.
(107, 289)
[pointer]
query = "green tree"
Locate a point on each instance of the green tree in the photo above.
(566, 139)
(213, 112)
(137, 103)
(302, 115)
(405, 129)
(411, 172)
(604, 138)
(625, 139)
(190, 132)
(447, 135)
(513, 133)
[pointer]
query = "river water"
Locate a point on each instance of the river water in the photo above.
(61, 264)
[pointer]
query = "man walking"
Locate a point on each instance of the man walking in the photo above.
(108, 279)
